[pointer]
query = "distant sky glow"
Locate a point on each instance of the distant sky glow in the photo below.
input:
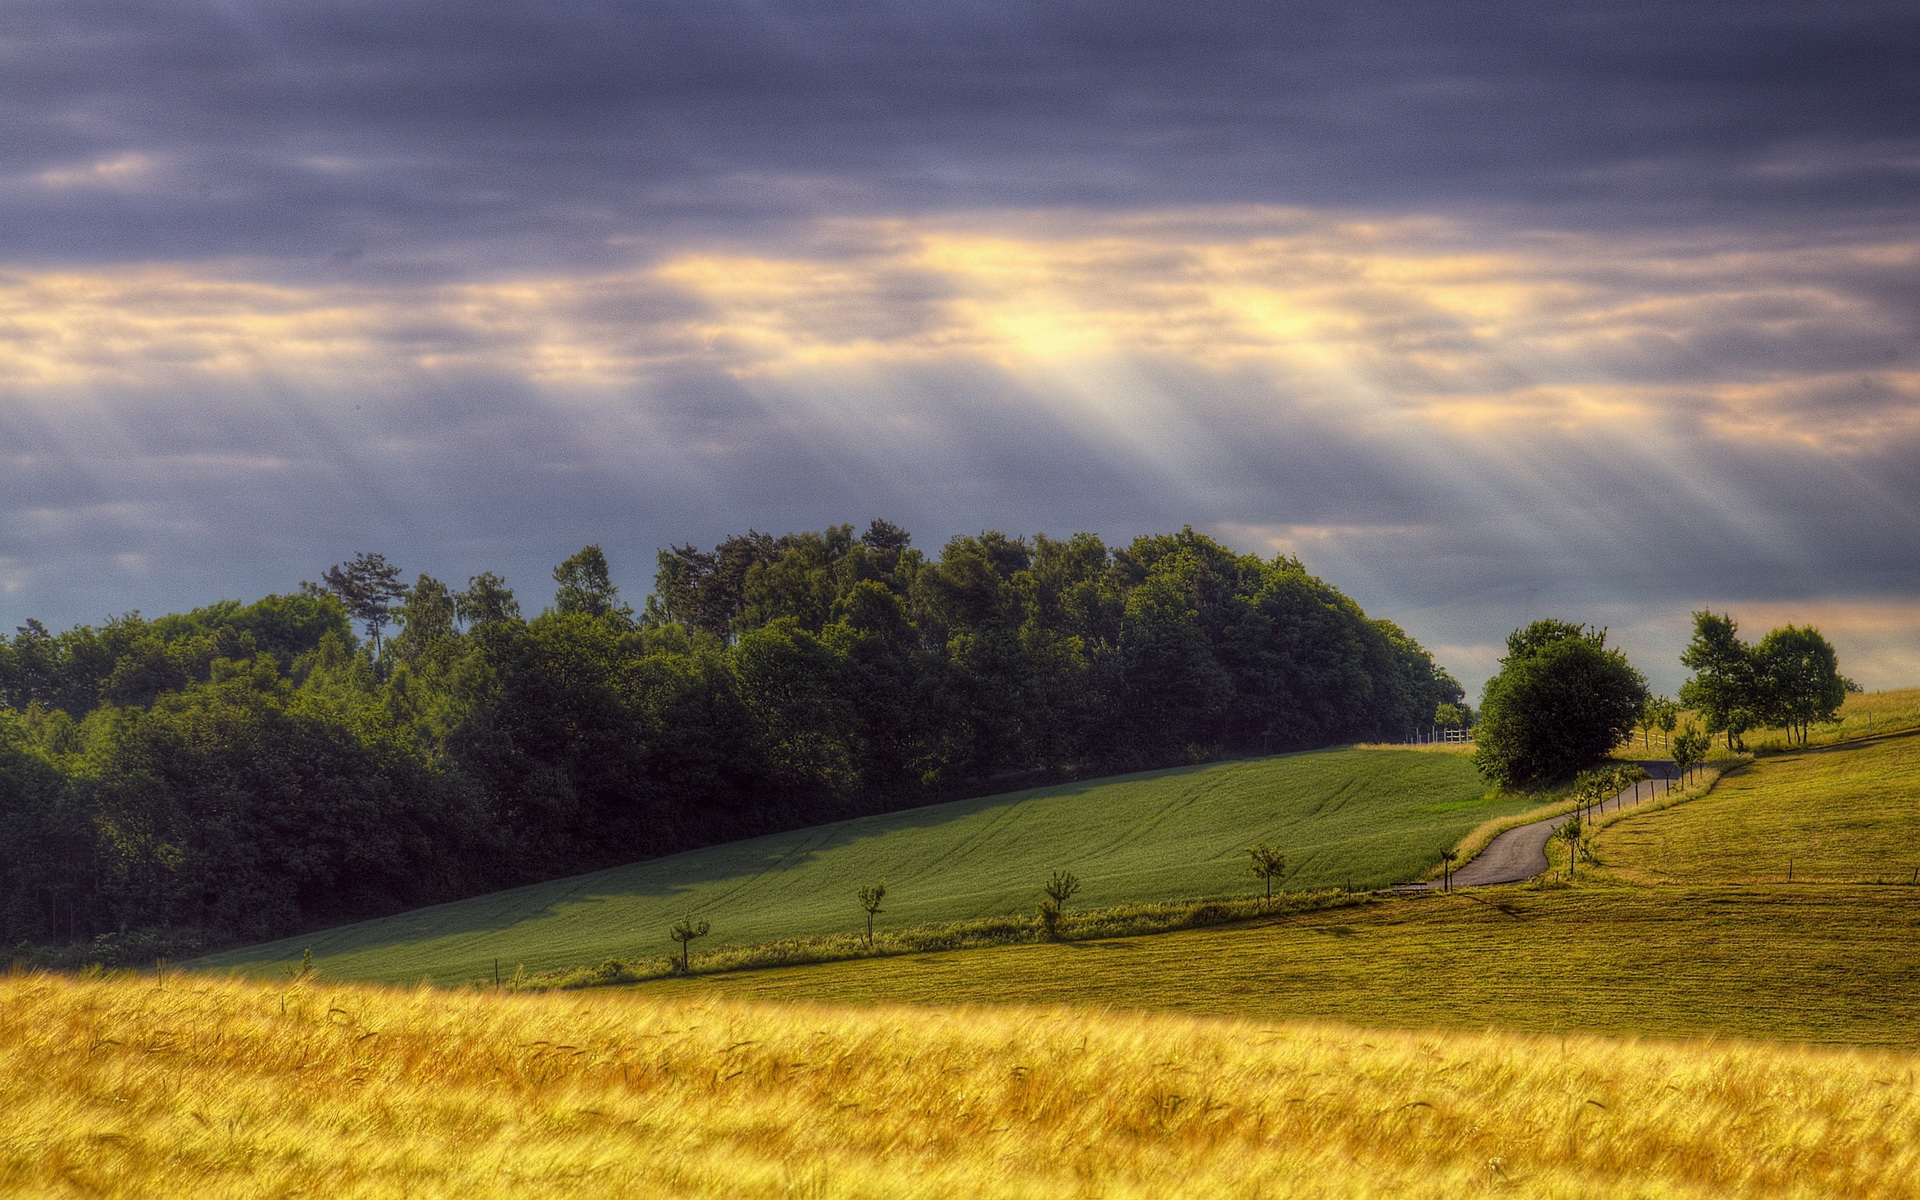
(1486, 311)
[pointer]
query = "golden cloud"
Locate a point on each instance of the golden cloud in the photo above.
(120, 172)
(1417, 319)
(1301, 540)
(147, 325)
(1563, 333)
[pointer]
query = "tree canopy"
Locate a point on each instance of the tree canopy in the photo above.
(1791, 679)
(1560, 701)
(366, 586)
(246, 771)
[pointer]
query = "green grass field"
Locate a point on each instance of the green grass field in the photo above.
(1367, 817)
(1824, 963)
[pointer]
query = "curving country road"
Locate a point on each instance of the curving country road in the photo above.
(1521, 852)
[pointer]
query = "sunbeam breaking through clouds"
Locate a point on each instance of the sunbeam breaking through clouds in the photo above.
(1484, 313)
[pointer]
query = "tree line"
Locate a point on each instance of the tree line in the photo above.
(1563, 699)
(247, 771)
(1789, 680)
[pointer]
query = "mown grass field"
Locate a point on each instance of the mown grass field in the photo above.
(1366, 817)
(1848, 812)
(209, 1087)
(1822, 964)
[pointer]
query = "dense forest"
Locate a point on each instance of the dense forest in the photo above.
(246, 771)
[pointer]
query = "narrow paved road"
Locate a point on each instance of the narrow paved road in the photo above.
(1521, 852)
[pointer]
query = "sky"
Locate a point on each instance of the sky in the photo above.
(1488, 311)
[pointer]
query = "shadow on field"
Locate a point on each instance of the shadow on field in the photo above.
(692, 873)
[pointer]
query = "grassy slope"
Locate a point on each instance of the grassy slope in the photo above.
(1843, 814)
(1864, 713)
(1369, 817)
(208, 1087)
(1710, 953)
(118, 1087)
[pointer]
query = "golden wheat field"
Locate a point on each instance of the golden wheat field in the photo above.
(122, 1087)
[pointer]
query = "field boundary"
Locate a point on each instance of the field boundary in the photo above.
(1457, 749)
(1122, 921)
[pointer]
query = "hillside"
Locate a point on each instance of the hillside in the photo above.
(1369, 817)
(242, 773)
(1842, 813)
(1721, 946)
(130, 1085)
(117, 1087)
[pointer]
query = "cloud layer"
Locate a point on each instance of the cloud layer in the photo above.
(451, 134)
(1487, 311)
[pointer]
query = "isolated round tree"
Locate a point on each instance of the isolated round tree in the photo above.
(1561, 701)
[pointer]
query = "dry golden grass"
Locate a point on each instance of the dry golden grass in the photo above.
(1699, 783)
(1464, 749)
(1842, 813)
(228, 1088)
(1821, 964)
(1865, 714)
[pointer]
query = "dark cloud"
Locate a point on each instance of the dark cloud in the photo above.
(471, 133)
(1707, 210)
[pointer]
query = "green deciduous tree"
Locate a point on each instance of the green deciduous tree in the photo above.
(1661, 713)
(1594, 788)
(870, 897)
(1800, 680)
(1791, 679)
(1059, 889)
(487, 600)
(428, 618)
(1560, 701)
(1572, 834)
(1690, 749)
(704, 590)
(1269, 863)
(1062, 887)
(1726, 688)
(788, 681)
(586, 587)
(686, 931)
(798, 580)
